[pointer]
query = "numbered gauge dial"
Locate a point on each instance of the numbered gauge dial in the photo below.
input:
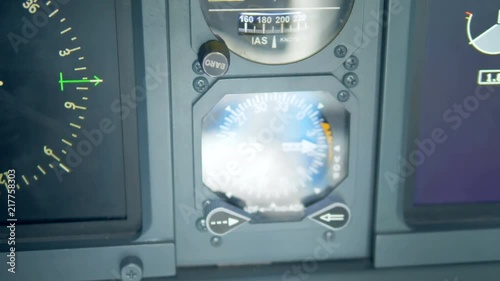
(277, 32)
(488, 42)
(58, 130)
(275, 152)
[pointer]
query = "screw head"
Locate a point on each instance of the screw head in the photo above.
(131, 272)
(201, 224)
(343, 96)
(340, 51)
(350, 80)
(197, 68)
(206, 203)
(351, 63)
(328, 236)
(200, 84)
(216, 241)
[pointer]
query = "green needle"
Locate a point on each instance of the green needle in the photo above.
(96, 81)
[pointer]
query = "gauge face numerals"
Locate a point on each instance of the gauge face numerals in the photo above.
(58, 84)
(277, 32)
(37, 126)
(275, 152)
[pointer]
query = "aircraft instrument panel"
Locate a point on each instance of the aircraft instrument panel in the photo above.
(249, 140)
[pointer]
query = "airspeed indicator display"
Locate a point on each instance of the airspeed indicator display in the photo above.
(277, 32)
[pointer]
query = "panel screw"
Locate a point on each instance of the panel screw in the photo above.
(340, 51)
(200, 84)
(206, 203)
(350, 80)
(343, 96)
(131, 270)
(201, 224)
(351, 63)
(216, 241)
(328, 236)
(197, 68)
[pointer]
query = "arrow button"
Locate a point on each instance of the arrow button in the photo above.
(335, 216)
(221, 221)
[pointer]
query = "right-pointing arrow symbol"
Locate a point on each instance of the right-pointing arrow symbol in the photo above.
(233, 221)
(221, 221)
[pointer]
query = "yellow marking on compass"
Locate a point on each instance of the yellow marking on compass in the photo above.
(63, 19)
(25, 180)
(51, 166)
(48, 3)
(41, 169)
(54, 13)
(81, 58)
(74, 135)
(81, 118)
(35, 177)
(85, 98)
(1, 83)
(329, 137)
(74, 38)
(75, 125)
(67, 142)
(64, 168)
(80, 69)
(82, 88)
(66, 30)
(64, 151)
(18, 187)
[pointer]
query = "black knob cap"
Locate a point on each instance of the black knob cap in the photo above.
(214, 58)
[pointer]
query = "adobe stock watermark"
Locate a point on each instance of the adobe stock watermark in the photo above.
(453, 119)
(230, 174)
(33, 22)
(303, 270)
(122, 107)
(372, 28)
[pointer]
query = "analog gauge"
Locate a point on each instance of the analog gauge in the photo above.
(275, 152)
(488, 42)
(59, 76)
(276, 32)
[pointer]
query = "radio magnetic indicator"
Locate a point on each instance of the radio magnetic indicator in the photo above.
(274, 153)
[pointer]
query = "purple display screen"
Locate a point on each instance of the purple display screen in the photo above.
(457, 148)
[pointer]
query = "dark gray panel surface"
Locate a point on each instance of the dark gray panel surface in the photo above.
(389, 194)
(90, 263)
(437, 248)
(158, 206)
(280, 241)
(347, 271)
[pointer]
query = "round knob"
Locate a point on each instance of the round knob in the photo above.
(214, 58)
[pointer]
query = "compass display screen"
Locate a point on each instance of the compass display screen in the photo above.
(61, 134)
(455, 152)
(274, 153)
